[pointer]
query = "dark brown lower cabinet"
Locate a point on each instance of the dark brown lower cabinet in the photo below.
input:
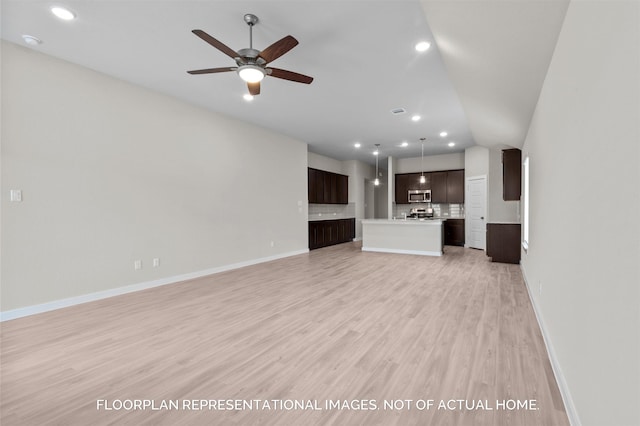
(503, 242)
(325, 233)
(454, 232)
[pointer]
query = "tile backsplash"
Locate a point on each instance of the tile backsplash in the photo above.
(451, 210)
(331, 211)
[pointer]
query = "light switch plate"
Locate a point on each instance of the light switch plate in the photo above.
(16, 195)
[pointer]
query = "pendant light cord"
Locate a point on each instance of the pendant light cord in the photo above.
(422, 158)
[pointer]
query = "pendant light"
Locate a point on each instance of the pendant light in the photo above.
(422, 178)
(376, 182)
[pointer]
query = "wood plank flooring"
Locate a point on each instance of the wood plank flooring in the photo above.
(336, 325)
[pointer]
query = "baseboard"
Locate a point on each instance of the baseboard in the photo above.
(399, 251)
(569, 406)
(76, 300)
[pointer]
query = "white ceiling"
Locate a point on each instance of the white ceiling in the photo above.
(480, 80)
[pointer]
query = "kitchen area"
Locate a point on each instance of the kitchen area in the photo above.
(428, 214)
(419, 212)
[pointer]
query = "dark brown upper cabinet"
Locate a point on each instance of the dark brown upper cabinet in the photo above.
(315, 185)
(511, 174)
(327, 188)
(438, 187)
(455, 186)
(343, 189)
(415, 183)
(402, 189)
(446, 186)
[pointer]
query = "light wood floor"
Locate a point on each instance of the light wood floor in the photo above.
(334, 324)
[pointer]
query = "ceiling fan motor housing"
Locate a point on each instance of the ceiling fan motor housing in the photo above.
(249, 56)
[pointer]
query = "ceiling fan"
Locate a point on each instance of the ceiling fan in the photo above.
(252, 63)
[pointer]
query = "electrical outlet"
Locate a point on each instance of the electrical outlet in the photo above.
(273, 244)
(539, 287)
(137, 264)
(156, 262)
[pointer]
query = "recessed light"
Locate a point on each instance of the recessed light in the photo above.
(357, 144)
(63, 13)
(248, 97)
(404, 144)
(416, 118)
(375, 152)
(451, 144)
(443, 134)
(423, 46)
(31, 40)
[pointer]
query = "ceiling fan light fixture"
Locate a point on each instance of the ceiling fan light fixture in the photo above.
(251, 73)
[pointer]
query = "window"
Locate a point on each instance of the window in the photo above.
(525, 203)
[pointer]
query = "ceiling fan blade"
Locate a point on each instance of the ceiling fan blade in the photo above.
(278, 48)
(254, 88)
(216, 43)
(289, 75)
(212, 70)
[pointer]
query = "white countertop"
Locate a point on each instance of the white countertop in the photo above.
(421, 237)
(417, 222)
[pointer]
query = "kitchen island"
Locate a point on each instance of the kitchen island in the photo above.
(406, 236)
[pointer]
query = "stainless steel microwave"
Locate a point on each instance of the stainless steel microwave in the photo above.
(419, 196)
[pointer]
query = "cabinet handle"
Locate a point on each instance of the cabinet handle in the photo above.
(482, 217)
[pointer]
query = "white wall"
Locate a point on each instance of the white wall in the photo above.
(359, 176)
(111, 173)
(482, 161)
(476, 161)
(498, 210)
(582, 266)
(321, 162)
(381, 195)
(431, 163)
(392, 166)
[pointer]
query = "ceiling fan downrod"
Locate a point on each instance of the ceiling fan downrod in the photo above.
(251, 20)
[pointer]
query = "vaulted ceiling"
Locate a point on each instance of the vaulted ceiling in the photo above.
(479, 81)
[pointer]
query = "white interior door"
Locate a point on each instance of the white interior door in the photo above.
(476, 208)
